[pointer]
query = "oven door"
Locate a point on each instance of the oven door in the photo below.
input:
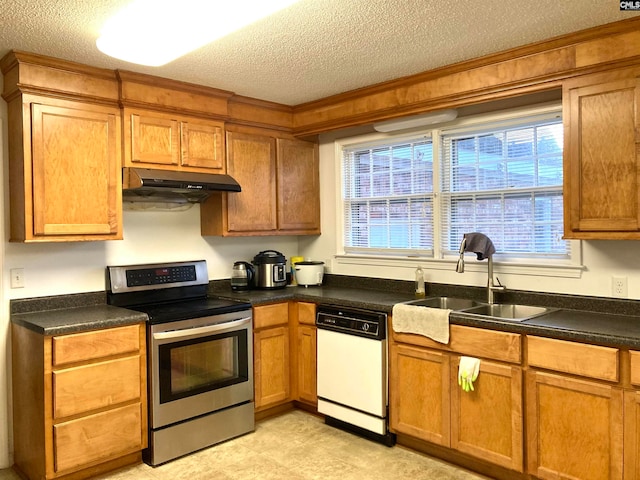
(200, 365)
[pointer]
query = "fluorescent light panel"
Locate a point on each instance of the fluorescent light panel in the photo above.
(416, 121)
(155, 32)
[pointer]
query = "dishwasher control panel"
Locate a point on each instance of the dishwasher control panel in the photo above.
(353, 321)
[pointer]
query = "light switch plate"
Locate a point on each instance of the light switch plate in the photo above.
(17, 277)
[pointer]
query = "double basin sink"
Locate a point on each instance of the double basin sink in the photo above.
(495, 311)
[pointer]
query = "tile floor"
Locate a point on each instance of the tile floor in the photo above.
(294, 446)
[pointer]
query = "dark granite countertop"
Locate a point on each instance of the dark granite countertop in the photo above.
(610, 322)
(603, 321)
(77, 319)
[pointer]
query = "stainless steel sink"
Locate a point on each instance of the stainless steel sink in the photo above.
(451, 303)
(507, 311)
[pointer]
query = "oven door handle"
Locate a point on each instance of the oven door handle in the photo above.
(190, 332)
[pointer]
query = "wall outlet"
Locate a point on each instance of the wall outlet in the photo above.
(17, 277)
(619, 287)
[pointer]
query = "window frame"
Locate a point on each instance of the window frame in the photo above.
(557, 267)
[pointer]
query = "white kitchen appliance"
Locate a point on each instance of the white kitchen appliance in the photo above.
(352, 371)
(309, 272)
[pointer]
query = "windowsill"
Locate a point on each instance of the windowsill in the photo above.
(510, 268)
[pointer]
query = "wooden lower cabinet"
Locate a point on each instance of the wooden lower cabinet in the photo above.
(488, 422)
(80, 404)
(284, 354)
(304, 353)
(419, 384)
(632, 435)
(427, 403)
(575, 427)
(271, 376)
(632, 420)
(271, 355)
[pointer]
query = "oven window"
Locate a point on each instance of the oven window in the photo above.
(200, 365)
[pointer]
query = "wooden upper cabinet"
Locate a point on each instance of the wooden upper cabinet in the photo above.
(202, 145)
(280, 188)
(298, 186)
(602, 155)
(159, 140)
(251, 160)
(154, 140)
(74, 160)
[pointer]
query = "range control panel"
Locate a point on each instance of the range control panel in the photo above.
(160, 275)
(132, 278)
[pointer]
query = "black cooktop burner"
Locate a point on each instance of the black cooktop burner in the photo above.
(194, 308)
(167, 292)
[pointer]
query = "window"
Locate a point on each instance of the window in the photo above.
(418, 195)
(389, 197)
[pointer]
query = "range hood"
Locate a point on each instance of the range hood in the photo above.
(150, 185)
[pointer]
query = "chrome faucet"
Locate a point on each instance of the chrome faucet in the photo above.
(491, 286)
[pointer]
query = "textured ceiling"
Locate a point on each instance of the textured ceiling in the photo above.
(315, 48)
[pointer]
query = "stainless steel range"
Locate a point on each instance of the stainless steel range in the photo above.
(200, 356)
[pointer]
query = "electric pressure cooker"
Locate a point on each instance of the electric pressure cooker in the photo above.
(270, 269)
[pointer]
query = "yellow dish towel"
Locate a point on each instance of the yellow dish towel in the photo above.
(429, 322)
(468, 372)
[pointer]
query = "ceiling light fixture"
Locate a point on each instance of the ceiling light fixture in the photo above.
(155, 32)
(416, 121)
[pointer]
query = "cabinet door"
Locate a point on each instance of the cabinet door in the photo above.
(251, 160)
(632, 435)
(574, 428)
(419, 393)
(76, 172)
(154, 140)
(202, 145)
(306, 361)
(487, 422)
(298, 186)
(602, 158)
(271, 369)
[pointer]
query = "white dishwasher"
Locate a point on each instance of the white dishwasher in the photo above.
(353, 372)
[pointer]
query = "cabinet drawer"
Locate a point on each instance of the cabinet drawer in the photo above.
(307, 313)
(99, 385)
(572, 357)
(97, 437)
(477, 342)
(79, 347)
(271, 315)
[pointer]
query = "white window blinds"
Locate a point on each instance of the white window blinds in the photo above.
(500, 174)
(505, 182)
(388, 198)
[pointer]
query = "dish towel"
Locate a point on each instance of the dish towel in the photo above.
(429, 322)
(468, 372)
(479, 244)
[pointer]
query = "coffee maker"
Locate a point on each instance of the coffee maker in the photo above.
(242, 276)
